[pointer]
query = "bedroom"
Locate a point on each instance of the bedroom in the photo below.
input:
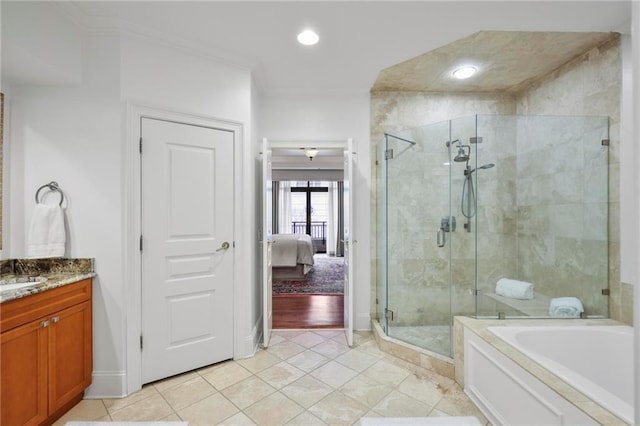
(307, 222)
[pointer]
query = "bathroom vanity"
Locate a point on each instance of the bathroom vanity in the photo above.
(46, 347)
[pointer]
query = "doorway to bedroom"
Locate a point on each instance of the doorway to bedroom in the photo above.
(308, 254)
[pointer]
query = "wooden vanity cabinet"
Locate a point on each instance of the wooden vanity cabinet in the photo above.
(45, 354)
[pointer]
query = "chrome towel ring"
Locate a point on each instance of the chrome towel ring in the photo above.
(52, 186)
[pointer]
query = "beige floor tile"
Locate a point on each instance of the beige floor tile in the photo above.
(188, 392)
(387, 373)
(306, 419)
(288, 334)
(341, 338)
(239, 419)
(386, 386)
(438, 413)
(334, 374)
(397, 404)
(210, 411)
(172, 418)
(260, 361)
(371, 348)
(308, 360)
(424, 390)
(308, 339)
(276, 409)
(225, 374)
(361, 337)
(456, 403)
(275, 339)
(366, 390)
(280, 375)
(357, 360)
(329, 333)
(338, 409)
(165, 384)
(149, 409)
(248, 392)
(87, 409)
(286, 349)
(330, 348)
(147, 391)
(307, 390)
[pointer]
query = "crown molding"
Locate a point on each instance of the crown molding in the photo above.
(113, 25)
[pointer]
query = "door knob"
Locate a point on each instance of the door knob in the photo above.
(224, 246)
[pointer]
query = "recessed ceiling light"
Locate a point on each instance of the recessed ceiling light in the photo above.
(464, 72)
(308, 38)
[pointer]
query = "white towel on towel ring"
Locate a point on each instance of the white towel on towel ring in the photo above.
(47, 235)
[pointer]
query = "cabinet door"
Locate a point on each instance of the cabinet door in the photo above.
(23, 374)
(70, 354)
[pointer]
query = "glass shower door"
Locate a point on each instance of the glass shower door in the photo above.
(418, 238)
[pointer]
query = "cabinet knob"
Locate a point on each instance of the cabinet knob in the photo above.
(44, 324)
(55, 319)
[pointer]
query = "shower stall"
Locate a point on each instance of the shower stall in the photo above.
(466, 202)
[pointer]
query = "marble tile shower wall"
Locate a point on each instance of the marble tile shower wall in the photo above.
(549, 207)
(589, 86)
(511, 197)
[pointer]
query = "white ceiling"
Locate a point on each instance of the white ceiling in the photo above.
(357, 39)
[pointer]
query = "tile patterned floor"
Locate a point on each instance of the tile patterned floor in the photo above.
(306, 377)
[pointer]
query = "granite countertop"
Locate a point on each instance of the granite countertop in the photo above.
(58, 272)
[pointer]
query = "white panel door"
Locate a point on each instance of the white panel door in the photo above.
(267, 231)
(348, 242)
(187, 255)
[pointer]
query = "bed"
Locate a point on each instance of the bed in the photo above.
(291, 256)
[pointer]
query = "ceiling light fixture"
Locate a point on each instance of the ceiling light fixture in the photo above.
(310, 153)
(464, 72)
(308, 38)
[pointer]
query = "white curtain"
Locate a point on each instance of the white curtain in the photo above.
(332, 222)
(284, 208)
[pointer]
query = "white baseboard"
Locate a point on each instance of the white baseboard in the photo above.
(363, 321)
(107, 384)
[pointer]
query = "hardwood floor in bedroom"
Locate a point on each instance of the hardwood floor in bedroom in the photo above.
(308, 311)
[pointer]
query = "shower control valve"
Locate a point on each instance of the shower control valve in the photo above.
(448, 224)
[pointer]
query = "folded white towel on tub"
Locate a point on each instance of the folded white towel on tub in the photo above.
(565, 307)
(514, 289)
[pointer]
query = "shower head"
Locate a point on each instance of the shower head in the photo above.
(462, 155)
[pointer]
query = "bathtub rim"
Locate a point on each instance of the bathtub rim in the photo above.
(572, 378)
(480, 328)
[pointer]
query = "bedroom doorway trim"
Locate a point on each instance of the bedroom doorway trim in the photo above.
(347, 146)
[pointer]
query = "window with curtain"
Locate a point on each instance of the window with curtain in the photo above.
(311, 207)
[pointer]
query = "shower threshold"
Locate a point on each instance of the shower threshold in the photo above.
(413, 354)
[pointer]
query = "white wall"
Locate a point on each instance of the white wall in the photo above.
(71, 134)
(76, 134)
(333, 117)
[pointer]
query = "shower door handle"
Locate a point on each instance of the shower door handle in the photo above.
(440, 237)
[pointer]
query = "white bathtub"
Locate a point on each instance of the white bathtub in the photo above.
(596, 360)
